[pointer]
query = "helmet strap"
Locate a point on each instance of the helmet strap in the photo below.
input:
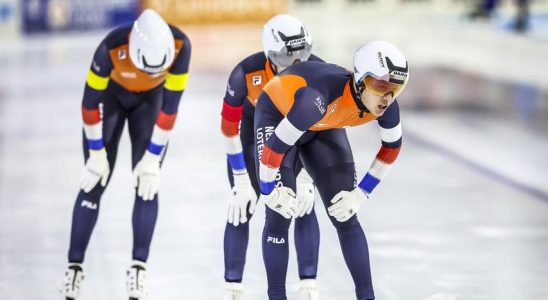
(357, 96)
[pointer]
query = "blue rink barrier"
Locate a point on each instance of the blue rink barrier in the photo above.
(76, 15)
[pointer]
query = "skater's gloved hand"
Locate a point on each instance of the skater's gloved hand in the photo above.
(305, 194)
(242, 194)
(281, 200)
(96, 169)
(346, 204)
(146, 176)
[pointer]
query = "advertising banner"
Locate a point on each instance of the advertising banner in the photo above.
(76, 15)
(184, 12)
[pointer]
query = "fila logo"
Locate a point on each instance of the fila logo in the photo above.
(122, 54)
(90, 205)
(257, 80)
(275, 240)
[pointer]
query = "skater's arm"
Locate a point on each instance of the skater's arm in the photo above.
(309, 108)
(233, 103)
(96, 83)
(391, 138)
(173, 89)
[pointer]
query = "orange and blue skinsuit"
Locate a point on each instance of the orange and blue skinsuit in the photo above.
(245, 83)
(305, 109)
(116, 92)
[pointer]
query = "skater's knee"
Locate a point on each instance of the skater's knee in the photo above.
(275, 222)
(333, 179)
(89, 200)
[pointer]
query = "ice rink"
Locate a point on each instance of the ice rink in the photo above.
(463, 214)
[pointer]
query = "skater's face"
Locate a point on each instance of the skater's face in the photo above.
(375, 103)
(377, 94)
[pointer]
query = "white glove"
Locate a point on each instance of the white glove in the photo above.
(242, 193)
(346, 204)
(281, 200)
(305, 194)
(96, 169)
(146, 176)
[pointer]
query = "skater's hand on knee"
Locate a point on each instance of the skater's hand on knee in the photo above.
(146, 176)
(346, 204)
(242, 195)
(96, 169)
(282, 200)
(305, 194)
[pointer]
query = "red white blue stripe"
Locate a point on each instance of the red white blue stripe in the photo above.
(285, 135)
(160, 135)
(230, 128)
(270, 162)
(385, 158)
(235, 154)
(93, 128)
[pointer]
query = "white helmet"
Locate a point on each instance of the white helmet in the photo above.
(286, 41)
(151, 43)
(380, 66)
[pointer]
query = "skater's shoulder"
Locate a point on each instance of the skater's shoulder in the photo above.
(178, 34)
(117, 37)
(253, 63)
(317, 72)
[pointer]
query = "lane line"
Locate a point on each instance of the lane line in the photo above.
(501, 178)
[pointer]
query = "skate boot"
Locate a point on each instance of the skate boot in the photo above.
(308, 290)
(73, 279)
(135, 280)
(233, 291)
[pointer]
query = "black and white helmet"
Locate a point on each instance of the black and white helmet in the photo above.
(384, 64)
(151, 43)
(286, 41)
